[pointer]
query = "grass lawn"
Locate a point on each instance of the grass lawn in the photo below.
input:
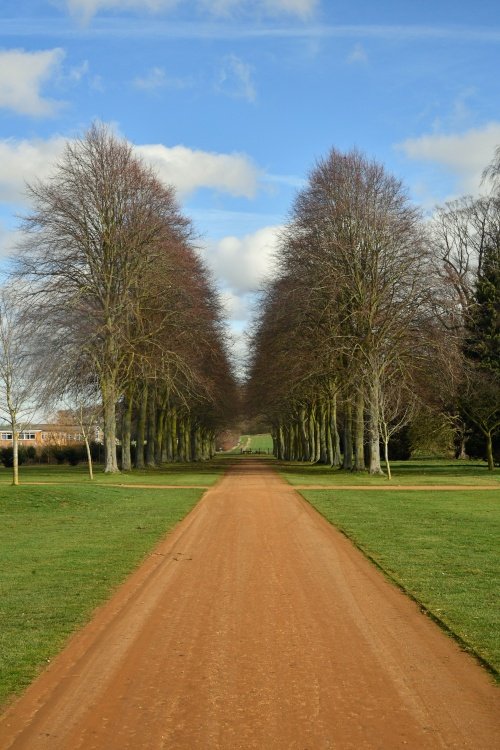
(440, 547)
(204, 474)
(63, 549)
(417, 471)
(262, 442)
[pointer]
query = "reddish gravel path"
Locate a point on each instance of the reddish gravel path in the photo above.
(256, 625)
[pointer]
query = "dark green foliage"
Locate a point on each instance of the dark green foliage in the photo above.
(400, 445)
(7, 456)
(483, 341)
(31, 455)
(476, 446)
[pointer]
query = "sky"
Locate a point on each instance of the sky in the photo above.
(233, 101)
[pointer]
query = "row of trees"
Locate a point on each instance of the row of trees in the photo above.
(374, 316)
(112, 303)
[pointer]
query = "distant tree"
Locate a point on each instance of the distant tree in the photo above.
(481, 399)
(20, 379)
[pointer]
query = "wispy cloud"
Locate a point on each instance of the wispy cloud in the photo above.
(22, 77)
(157, 78)
(86, 9)
(357, 55)
(235, 79)
(229, 30)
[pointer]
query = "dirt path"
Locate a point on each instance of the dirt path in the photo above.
(256, 625)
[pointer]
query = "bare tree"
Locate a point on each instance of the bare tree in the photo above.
(96, 227)
(398, 405)
(20, 382)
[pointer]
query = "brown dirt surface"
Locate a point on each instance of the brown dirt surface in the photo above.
(255, 624)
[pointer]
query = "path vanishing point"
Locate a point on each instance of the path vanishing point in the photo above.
(255, 624)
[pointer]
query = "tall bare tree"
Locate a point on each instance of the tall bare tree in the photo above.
(97, 225)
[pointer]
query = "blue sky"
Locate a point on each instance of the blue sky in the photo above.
(233, 100)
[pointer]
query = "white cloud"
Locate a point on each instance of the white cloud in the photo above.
(77, 73)
(235, 79)
(22, 75)
(22, 161)
(236, 307)
(464, 155)
(156, 78)
(189, 169)
(6, 240)
(244, 263)
(357, 54)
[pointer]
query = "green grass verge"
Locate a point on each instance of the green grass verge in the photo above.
(62, 552)
(440, 547)
(204, 474)
(417, 471)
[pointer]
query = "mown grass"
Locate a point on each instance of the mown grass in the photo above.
(440, 547)
(421, 472)
(62, 551)
(205, 474)
(263, 442)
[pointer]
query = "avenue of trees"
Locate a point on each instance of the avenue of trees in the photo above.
(121, 310)
(377, 318)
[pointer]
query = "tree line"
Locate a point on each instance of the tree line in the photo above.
(377, 316)
(109, 301)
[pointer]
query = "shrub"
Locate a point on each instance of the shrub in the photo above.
(7, 456)
(31, 453)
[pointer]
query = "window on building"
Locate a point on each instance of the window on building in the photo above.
(6, 435)
(26, 436)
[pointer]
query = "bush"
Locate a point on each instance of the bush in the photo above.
(59, 454)
(7, 456)
(475, 446)
(31, 454)
(400, 446)
(72, 455)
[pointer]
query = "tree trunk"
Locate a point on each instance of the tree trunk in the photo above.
(386, 458)
(347, 437)
(89, 456)
(141, 428)
(109, 410)
(337, 457)
(127, 432)
(151, 421)
(160, 431)
(374, 429)
(15, 456)
(359, 432)
(322, 433)
(489, 451)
